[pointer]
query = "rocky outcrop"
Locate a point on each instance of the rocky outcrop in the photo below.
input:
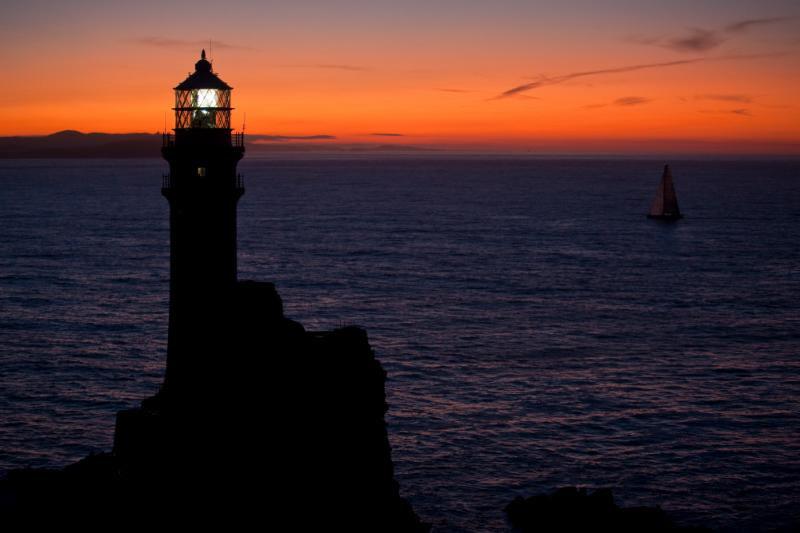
(571, 509)
(281, 429)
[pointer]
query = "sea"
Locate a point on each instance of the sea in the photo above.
(537, 329)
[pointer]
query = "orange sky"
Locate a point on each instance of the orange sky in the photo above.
(670, 76)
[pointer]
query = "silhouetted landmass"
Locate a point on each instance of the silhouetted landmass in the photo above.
(70, 144)
(571, 509)
(284, 430)
(74, 144)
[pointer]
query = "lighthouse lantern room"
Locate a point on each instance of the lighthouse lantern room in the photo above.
(203, 100)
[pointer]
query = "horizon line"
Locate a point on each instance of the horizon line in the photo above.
(584, 146)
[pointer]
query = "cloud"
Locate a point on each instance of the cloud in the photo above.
(742, 112)
(741, 98)
(625, 101)
(332, 66)
(703, 39)
(283, 138)
(355, 68)
(732, 57)
(744, 25)
(453, 90)
(698, 40)
(387, 134)
(631, 100)
(163, 42)
(544, 81)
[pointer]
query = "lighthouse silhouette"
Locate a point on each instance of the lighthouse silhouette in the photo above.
(259, 423)
(203, 190)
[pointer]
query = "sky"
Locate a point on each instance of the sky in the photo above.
(560, 76)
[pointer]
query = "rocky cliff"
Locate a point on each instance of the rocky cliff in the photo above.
(283, 429)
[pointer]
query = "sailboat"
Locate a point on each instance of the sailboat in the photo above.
(665, 204)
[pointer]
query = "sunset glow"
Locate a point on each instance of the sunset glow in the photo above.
(509, 75)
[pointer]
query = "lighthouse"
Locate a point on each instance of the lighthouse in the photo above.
(203, 189)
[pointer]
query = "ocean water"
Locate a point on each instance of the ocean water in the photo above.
(537, 329)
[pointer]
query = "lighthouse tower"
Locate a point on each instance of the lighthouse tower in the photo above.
(203, 189)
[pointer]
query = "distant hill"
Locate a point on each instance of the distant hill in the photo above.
(74, 144)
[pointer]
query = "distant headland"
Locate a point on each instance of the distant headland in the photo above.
(72, 144)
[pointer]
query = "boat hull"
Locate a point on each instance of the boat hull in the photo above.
(666, 218)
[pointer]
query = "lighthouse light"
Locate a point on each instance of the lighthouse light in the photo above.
(205, 98)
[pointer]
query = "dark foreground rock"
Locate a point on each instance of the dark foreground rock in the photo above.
(570, 509)
(281, 430)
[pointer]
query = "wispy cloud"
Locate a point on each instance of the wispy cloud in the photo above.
(283, 138)
(545, 81)
(742, 112)
(741, 98)
(445, 90)
(333, 66)
(625, 101)
(698, 40)
(705, 39)
(387, 134)
(744, 25)
(631, 100)
(163, 42)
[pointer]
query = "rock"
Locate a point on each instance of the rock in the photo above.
(571, 509)
(279, 428)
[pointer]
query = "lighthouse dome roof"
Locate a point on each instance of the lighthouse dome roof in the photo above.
(202, 77)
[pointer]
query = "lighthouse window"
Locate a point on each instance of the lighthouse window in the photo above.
(205, 98)
(201, 171)
(202, 108)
